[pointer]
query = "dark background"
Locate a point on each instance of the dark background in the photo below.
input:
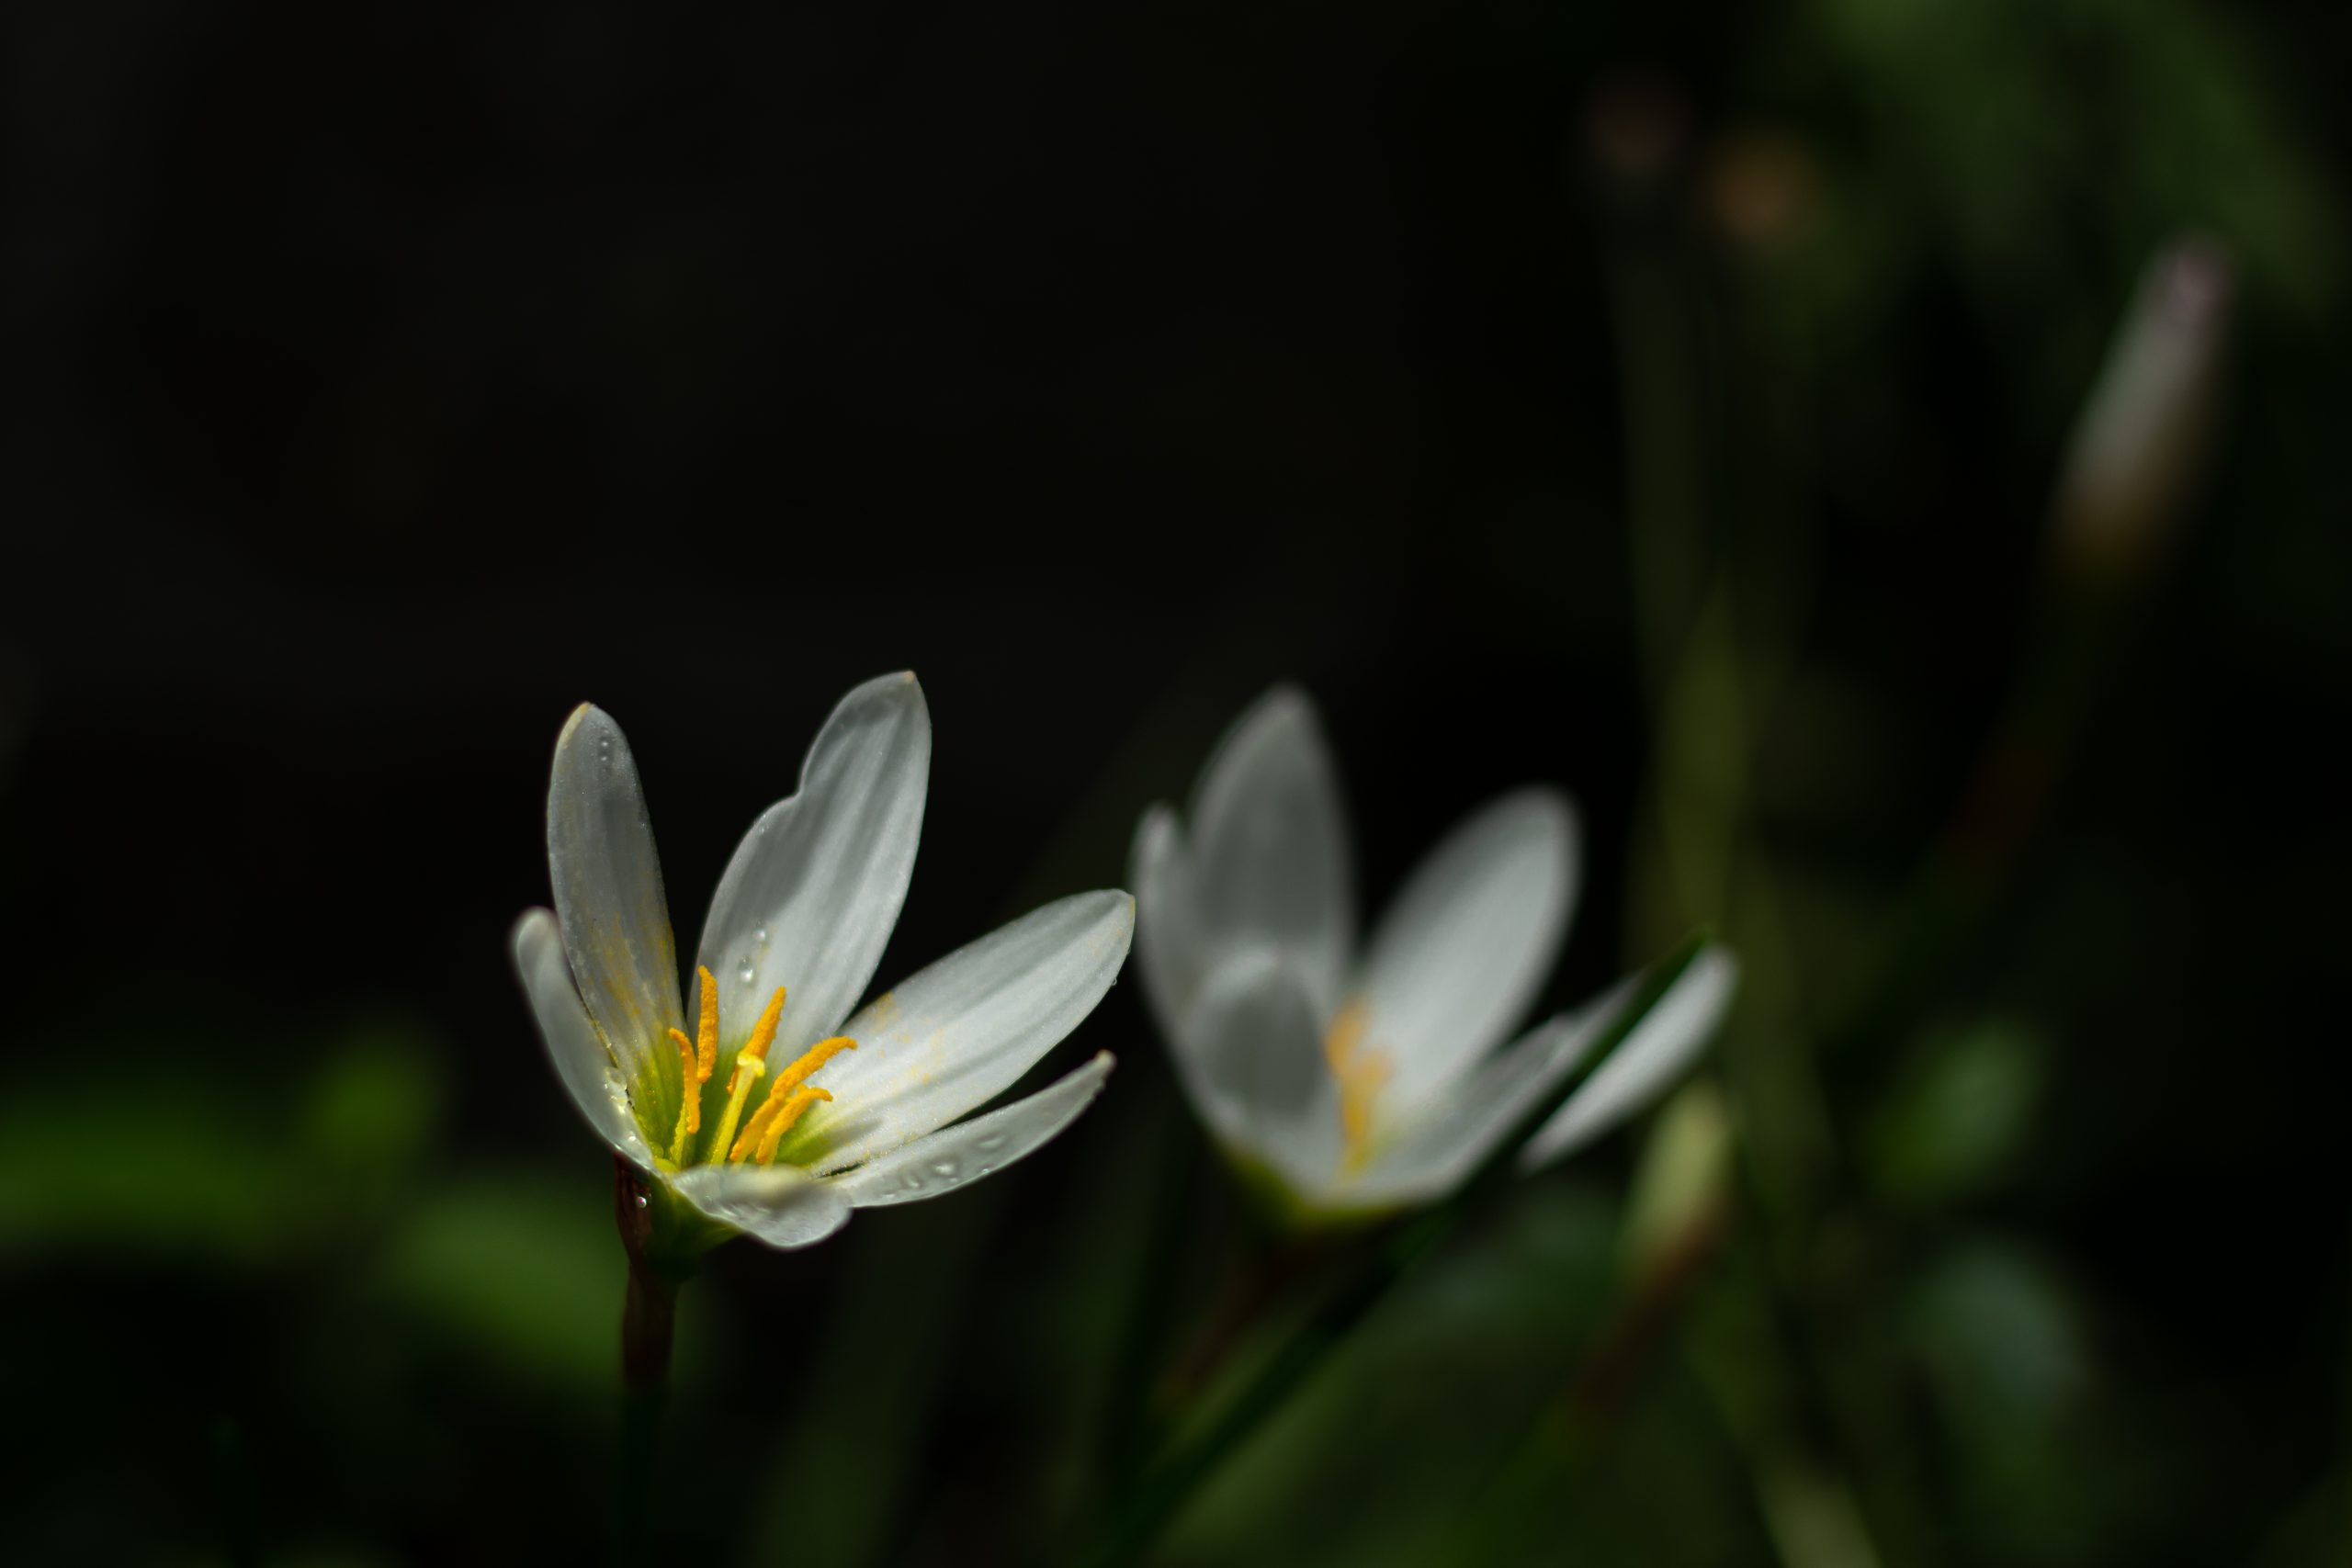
(1521, 378)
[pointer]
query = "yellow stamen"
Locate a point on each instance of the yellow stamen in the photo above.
(763, 1032)
(752, 1130)
(706, 1033)
(809, 1061)
(788, 1111)
(1362, 1074)
(690, 1096)
(786, 1100)
(749, 1063)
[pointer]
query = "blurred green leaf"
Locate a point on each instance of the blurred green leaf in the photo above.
(179, 1166)
(1954, 1125)
(525, 1271)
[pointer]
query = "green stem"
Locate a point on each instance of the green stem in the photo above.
(1161, 1493)
(648, 1324)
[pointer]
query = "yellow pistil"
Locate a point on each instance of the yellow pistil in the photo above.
(1362, 1074)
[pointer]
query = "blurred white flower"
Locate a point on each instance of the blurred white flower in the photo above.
(850, 1114)
(1366, 1081)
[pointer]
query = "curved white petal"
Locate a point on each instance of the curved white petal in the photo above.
(1439, 1150)
(1661, 1046)
(942, 1161)
(1466, 945)
(808, 901)
(608, 902)
(1253, 1064)
(781, 1205)
(580, 1059)
(1270, 841)
(1169, 943)
(958, 1033)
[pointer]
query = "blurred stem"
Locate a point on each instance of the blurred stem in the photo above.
(1161, 1491)
(1570, 1431)
(1717, 643)
(648, 1323)
(1131, 1419)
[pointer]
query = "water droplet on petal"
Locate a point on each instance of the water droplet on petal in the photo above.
(990, 1144)
(761, 936)
(747, 974)
(943, 1167)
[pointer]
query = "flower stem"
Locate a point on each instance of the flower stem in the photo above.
(649, 1321)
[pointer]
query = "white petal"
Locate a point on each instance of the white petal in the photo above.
(1270, 841)
(808, 901)
(942, 1161)
(1439, 1149)
(580, 1059)
(608, 880)
(1253, 1064)
(779, 1204)
(958, 1033)
(1661, 1046)
(1468, 943)
(1170, 944)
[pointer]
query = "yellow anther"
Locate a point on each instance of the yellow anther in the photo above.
(750, 1138)
(749, 1063)
(787, 1100)
(788, 1111)
(809, 1061)
(689, 1098)
(706, 1033)
(1362, 1074)
(763, 1032)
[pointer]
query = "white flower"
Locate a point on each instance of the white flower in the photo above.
(853, 1113)
(1366, 1081)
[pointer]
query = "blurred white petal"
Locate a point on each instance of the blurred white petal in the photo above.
(1170, 944)
(1661, 1047)
(808, 901)
(1253, 1064)
(1461, 953)
(1269, 845)
(962, 1030)
(608, 880)
(945, 1160)
(1439, 1149)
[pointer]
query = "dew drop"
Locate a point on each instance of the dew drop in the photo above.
(943, 1167)
(761, 936)
(990, 1144)
(747, 974)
